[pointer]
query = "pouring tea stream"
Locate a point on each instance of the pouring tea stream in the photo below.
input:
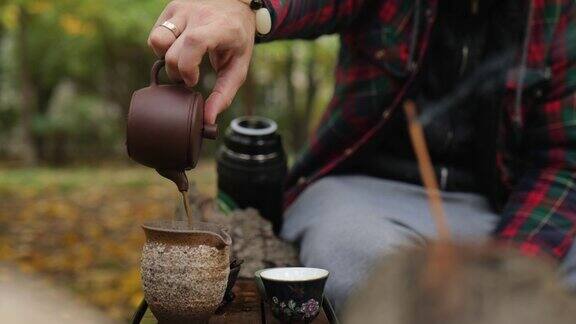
(165, 130)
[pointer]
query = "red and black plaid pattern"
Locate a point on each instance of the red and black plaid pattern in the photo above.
(382, 45)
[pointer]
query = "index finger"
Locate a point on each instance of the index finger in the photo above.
(227, 84)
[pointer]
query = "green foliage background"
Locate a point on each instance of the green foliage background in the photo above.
(67, 72)
(68, 68)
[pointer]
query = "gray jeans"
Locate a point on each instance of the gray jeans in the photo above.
(345, 223)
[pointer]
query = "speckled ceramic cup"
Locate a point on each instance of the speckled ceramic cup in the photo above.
(184, 271)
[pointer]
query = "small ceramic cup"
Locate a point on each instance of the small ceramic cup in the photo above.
(295, 293)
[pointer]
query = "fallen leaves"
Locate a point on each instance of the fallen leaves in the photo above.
(81, 227)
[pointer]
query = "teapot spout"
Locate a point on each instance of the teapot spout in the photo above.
(176, 176)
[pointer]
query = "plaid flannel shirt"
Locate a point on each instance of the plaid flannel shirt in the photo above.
(382, 46)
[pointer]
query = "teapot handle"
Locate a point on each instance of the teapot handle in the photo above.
(158, 65)
(209, 131)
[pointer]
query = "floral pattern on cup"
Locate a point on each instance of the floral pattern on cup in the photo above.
(308, 309)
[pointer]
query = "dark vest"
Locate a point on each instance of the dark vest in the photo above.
(461, 141)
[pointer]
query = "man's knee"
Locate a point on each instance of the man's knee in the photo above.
(568, 268)
(352, 242)
(348, 253)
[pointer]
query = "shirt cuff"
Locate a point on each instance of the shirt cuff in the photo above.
(532, 248)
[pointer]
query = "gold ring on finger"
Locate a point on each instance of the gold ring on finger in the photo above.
(171, 27)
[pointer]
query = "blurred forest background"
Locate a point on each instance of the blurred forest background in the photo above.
(70, 201)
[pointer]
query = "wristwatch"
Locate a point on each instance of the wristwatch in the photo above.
(263, 17)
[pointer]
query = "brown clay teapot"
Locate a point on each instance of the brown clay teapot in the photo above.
(166, 127)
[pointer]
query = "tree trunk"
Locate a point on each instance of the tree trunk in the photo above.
(249, 95)
(300, 115)
(312, 89)
(28, 93)
(294, 120)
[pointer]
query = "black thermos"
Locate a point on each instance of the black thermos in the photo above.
(251, 167)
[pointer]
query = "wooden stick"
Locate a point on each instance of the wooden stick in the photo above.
(427, 171)
(440, 277)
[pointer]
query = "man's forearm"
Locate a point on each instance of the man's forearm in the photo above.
(310, 18)
(541, 213)
(540, 217)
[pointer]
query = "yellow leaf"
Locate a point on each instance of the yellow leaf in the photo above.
(76, 27)
(39, 7)
(26, 267)
(10, 16)
(5, 251)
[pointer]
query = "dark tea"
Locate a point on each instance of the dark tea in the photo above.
(189, 218)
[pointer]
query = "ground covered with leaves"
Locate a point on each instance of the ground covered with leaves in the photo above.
(80, 227)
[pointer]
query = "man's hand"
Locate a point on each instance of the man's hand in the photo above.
(222, 28)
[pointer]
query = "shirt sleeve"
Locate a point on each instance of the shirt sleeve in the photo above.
(309, 18)
(540, 216)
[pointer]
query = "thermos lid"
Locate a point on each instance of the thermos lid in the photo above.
(252, 138)
(254, 126)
